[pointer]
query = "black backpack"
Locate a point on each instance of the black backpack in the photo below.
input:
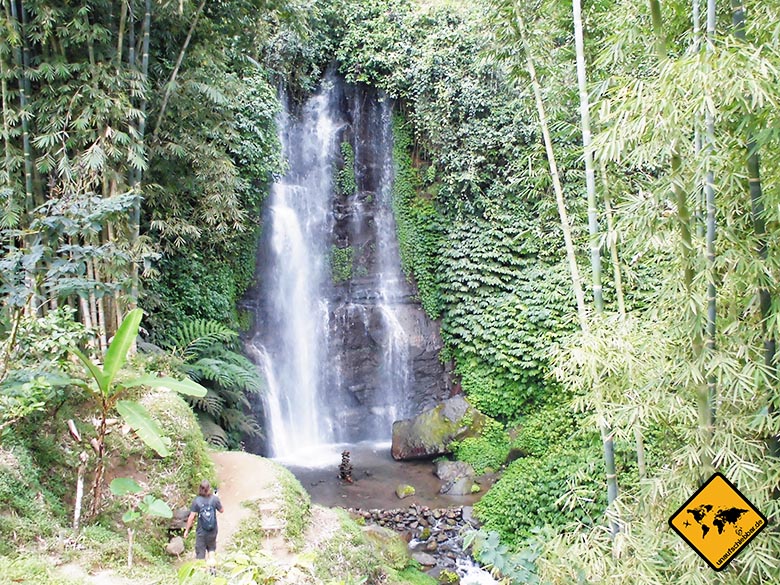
(207, 517)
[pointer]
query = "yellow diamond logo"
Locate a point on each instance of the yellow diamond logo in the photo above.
(718, 521)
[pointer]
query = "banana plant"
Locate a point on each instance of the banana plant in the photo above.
(108, 394)
(148, 506)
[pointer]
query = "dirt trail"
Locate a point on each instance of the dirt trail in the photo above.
(241, 477)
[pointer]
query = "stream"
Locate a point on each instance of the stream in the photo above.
(372, 496)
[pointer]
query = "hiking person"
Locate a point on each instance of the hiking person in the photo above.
(205, 507)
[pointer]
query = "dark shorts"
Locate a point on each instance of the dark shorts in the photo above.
(205, 541)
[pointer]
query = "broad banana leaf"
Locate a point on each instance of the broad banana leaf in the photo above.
(120, 345)
(142, 423)
(122, 486)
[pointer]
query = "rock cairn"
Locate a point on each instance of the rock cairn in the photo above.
(345, 469)
(434, 534)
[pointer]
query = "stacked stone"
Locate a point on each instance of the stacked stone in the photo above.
(345, 469)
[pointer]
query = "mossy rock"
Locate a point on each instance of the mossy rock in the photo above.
(404, 491)
(432, 433)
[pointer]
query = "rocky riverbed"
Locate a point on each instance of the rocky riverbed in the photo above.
(435, 535)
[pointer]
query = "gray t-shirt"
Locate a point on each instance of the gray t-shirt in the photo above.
(200, 502)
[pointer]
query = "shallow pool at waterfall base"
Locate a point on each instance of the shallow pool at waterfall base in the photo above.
(375, 476)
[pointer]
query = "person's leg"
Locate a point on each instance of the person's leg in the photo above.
(200, 547)
(211, 553)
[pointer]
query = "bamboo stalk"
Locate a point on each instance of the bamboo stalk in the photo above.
(121, 34)
(175, 73)
(559, 198)
(590, 171)
(23, 83)
(612, 243)
(709, 190)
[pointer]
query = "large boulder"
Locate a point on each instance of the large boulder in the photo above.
(431, 433)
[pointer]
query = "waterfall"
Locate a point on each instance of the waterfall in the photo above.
(294, 344)
(339, 349)
(392, 286)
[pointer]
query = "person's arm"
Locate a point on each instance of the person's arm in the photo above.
(190, 520)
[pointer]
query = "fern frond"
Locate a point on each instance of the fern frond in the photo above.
(226, 375)
(212, 432)
(236, 420)
(192, 338)
(212, 403)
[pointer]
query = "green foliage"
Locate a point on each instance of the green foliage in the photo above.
(31, 511)
(506, 308)
(190, 285)
(487, 451)
(32, 570)
(531, 493)
(353, 553)
(107, 392)
(208, 350)
(341, 264)
(346, 183)
(177, 421)
(418, 224)
(549, 426)
(296, 508)
(518, 567)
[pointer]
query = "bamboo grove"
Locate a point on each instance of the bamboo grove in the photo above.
(121, 132)
(677, 140)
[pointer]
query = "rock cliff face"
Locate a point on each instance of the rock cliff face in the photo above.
(346, 346)
(386, 347)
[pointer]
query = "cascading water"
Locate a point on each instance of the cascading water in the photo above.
(294, 345)
(393, 288)
(344, 354)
